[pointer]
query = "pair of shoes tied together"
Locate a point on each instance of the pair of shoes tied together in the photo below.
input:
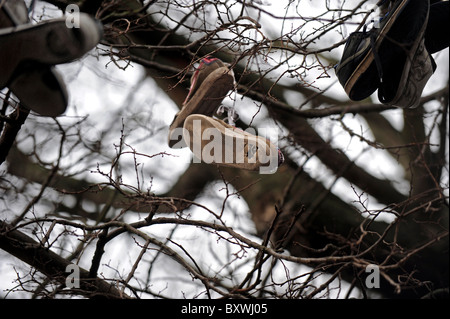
(212, 140)
(390, 58)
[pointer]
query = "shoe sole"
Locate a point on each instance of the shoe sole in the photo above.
(245, 148)
(368, 59)
(48, 43)
(204, 101)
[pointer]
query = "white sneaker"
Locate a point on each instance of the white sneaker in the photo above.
(215, 142)
(209, 85)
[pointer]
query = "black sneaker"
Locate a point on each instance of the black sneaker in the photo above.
(405, 64)
(38, 87)
(28, 53)
(356, 71)
(414, 79)
(369, 57)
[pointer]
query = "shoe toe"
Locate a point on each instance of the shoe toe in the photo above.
(42, 90)
(89, 33)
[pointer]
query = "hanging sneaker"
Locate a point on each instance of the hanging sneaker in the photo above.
(210, 84)
(41, 89)
(372, 58)
(356, 72)
(422, 68)
(28, 53)
(406, 65)
(215, 142)
(42, 83)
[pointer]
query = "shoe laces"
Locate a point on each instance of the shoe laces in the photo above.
(231, 115)
(31, 7)
(372, 37)
(376, 56)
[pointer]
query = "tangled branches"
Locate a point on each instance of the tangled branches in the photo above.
(202, 250)
(99, 188)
